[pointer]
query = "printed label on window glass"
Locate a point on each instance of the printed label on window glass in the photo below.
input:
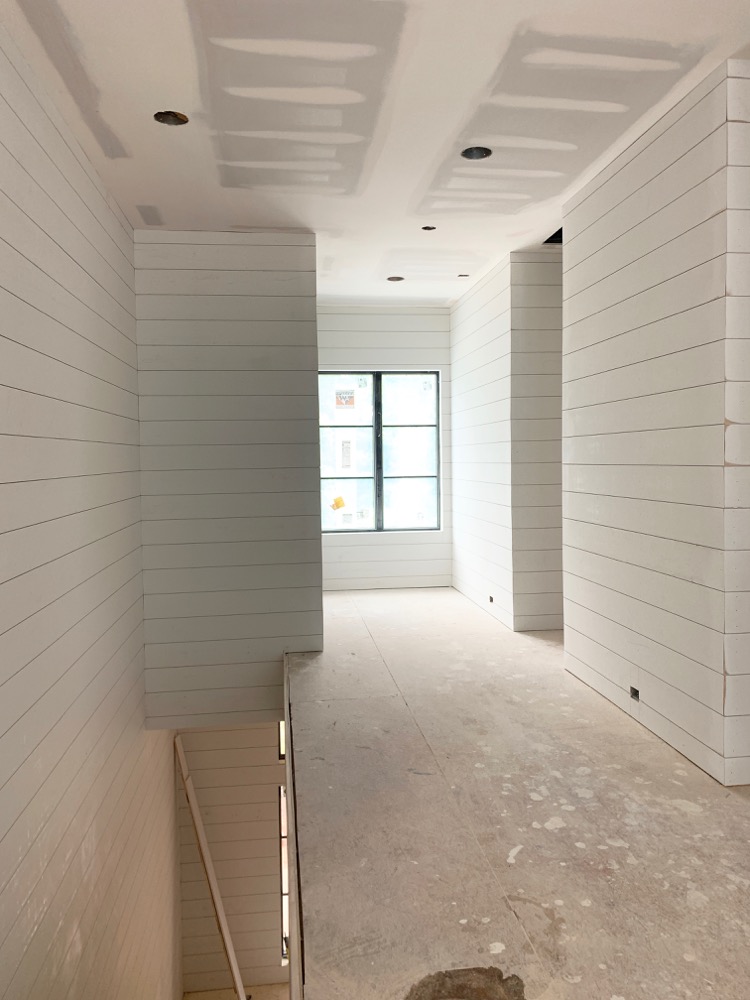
(346, 454)
(345, 399)
(347, 518)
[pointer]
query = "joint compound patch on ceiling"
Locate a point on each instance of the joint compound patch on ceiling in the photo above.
(293, 90)
(542, 123)
(54, 31)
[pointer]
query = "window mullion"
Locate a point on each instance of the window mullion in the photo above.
(378, 429)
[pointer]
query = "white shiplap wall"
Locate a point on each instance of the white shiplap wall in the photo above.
(645, 355)
(237, 775)
(361, 338)
(89, 906)
(535, 433)
(227, 354)
(480, 425)
(737, 433)
(505, 364)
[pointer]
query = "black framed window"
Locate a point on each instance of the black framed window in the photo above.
(380, 451)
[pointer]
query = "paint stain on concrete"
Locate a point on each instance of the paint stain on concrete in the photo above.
(468, 984)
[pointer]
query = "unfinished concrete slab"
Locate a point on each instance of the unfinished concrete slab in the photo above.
(466, 804)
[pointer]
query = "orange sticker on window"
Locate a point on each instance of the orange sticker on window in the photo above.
(338, 503)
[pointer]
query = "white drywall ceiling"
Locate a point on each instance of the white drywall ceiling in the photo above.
(347, 117)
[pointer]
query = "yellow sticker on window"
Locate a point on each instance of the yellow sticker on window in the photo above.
(338, 503)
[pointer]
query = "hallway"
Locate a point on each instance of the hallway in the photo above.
(463, 801)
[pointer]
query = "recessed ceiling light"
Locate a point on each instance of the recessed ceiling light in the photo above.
(395, 277)
(463, 275)
(476, 153)
(171, 118)
(429, 229)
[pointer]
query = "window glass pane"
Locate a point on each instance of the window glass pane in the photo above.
(346, 451)
(409, 451)
(409, 399)
(348, 504)
(410, 503)
(345, 399)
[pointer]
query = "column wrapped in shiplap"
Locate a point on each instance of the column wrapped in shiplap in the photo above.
(505, 376)
(227, 356)
(480, 427)
(535, 429)
(737, 432)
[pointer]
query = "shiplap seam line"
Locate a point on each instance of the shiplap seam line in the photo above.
(94, 677)
(74, 513)
(638, 190)
(666, 611)
(67, 291)
(638, 259)
(63, 175)
(649, 288)
(57, 638)
(82, 371)
(660, 129)
(647, 569)
(68, 402)
(51, 238)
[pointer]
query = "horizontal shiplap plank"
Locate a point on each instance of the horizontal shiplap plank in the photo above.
(228, 602)
(221, 432)
(226, 333)
(240, 256)
(253, 576)
(271, 357)
(30, 371)
(297, 382)
(249, 237)
(225, 282)
(281, 306)
(259, 409)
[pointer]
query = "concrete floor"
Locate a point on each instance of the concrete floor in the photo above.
(464, 802)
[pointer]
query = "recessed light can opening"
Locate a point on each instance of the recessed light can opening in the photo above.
(463, 275)
(171, 118)
(395, 277)
(429, 229)
(476, 153)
